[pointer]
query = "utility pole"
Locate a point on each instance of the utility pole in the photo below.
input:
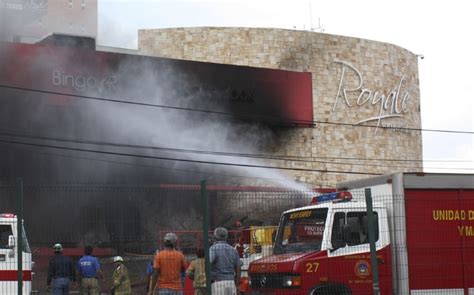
(373, 249)
(19, 233)
(205, 236)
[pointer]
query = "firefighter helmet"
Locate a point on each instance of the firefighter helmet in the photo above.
(57, 247)
(118, 259)
(171, 239)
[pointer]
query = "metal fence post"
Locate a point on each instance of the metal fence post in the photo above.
(373, 249)
(19, 233)
(205, 228)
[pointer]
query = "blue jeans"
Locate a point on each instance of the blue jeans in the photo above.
(61, 286)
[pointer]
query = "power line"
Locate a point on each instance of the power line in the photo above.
(448, 168)
(257, 156)
(397, 128)
(240, 116)
(182, 160)
(207, 152)
(448, 161)
(188, 171)
(250, 155)
(281, 120)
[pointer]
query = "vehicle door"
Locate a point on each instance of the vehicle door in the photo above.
(350, 252)
(8, 275)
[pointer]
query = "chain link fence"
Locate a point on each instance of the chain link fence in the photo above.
(424, 241)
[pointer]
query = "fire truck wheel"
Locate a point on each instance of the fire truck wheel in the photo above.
(330, 289)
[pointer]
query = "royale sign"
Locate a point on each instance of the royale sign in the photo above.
(393, 104)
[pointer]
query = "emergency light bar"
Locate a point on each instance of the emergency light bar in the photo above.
(7, 215)
(332, 197)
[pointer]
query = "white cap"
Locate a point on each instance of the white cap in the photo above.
(118, 258)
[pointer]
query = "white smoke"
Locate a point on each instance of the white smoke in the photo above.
(141, 125)
(182, 129)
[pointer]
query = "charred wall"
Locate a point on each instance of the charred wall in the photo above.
(354, 82)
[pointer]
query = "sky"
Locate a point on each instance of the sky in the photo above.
(441, 31)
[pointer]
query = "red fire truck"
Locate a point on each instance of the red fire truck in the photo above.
(423, 231)
(9, 257)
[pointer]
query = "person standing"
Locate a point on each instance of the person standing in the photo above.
(120, 279)
(197, 273)
(60, 272)
(168, 266)
(149, 275)
(88, 272)
(225, 265)
(149, 272)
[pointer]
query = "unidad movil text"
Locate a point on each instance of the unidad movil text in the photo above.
(453, 215)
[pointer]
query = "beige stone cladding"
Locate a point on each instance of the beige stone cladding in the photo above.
(356, 82)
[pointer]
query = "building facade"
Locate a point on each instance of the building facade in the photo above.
(28, 21)
(356, 83)
(365, 94)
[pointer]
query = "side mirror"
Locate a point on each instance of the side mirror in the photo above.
(338, 239)
(11, 241)
(337, 244)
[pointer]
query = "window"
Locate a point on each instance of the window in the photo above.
(70, 3)
(301, 231)
(5, 232)
(337, 237)
(26, 245)
(83, 4)
(356, 224)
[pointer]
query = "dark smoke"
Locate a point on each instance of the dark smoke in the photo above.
(103, 216)
(80, 198)
(135, 79)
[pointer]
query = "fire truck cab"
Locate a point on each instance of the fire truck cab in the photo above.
(324, 249)
(9, 256)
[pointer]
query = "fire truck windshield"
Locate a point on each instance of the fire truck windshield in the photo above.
(301, 231)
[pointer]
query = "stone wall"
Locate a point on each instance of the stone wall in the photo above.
(380, 79)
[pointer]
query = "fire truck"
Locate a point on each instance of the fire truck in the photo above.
(424, 239)
(9, 256)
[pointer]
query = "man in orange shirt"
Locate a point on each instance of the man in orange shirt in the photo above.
(167, 267)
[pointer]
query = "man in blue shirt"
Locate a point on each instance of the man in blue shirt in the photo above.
(225, 265)
(149, 270)
(60, 272)
(88, 271)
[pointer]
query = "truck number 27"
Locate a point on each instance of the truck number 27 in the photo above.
(312, 266)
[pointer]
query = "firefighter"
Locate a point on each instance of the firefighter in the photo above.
(60, 272)
(120, 278)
